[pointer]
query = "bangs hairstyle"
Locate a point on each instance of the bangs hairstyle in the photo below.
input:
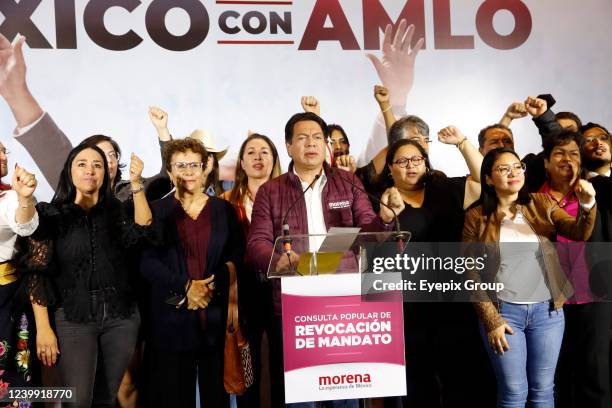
(65, 193)
(488, 195)
(182, 146)
(302, 117)
(95, 140)
(240, 189)
(384, 179)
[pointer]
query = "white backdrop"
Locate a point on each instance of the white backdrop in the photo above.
(230, 89)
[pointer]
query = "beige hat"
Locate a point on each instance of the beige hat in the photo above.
(207, 139)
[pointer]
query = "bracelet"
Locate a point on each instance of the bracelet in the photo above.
(387, 110)
(460, 144)
(138, 189)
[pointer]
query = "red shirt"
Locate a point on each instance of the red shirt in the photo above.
(194, 236)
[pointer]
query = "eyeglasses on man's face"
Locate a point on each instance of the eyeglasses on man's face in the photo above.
(507, 169)
(415, 160)
(603, 137)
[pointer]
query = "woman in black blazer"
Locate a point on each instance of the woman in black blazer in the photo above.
(189, 282)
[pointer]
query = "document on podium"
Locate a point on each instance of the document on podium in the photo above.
(330, 253)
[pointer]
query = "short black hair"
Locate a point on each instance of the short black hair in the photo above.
(483, 132)
(333, 126)
(570, 116)
(592, 125)
(397, 131)
(302, 117)
(560, 139)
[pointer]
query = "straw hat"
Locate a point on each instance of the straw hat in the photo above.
(207, 139)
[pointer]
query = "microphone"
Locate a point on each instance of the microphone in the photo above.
(286, 240)
(400, 237)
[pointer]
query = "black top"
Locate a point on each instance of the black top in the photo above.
(73, 253)
(440, 217)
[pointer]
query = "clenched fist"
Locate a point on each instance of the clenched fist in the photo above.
(311, 104)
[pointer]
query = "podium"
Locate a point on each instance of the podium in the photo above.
(338, 251)
(337, 344)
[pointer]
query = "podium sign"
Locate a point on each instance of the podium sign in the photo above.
(337, 346)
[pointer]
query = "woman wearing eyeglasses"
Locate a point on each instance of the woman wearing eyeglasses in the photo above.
(189, 276)
(523, 323)
(434, 212)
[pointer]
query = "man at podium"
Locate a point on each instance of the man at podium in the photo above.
(310, 198)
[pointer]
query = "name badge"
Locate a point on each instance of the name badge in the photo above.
(336, 205)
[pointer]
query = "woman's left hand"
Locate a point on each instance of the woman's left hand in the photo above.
(136, 167)
(585, 192)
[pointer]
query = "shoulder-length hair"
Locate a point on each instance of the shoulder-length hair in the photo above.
(240, 189)
(65, 192)
(384, 179)
(488, 195)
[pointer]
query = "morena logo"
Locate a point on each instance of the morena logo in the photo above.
(345, 379)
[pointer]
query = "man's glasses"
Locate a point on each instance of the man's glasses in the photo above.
(604, 137)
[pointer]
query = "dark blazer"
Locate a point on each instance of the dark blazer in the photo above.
(165, 267)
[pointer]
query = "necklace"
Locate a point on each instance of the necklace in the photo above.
(194, 208)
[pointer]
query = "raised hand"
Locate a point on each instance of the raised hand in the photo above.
(450, 135)
(12, 68)
(346, 162)
(158, 117)
(136, 167)
(585, 192)
(535, 106)
(396, 68)
(23, 183)
(311, 104)
(393, 199)
(382, 95)
(516, 110)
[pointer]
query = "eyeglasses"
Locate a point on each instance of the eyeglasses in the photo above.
(506, 169)
(604, 137)
(182, 166)
(113, 156)
(415, 160)
(420, 139)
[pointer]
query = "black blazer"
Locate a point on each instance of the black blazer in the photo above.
(165, 267)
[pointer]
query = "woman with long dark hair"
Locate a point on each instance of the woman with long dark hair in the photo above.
(257, 163)
(523, 323)
(79, 282)
(203, 245)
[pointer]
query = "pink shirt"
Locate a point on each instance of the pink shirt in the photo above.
(572, 255)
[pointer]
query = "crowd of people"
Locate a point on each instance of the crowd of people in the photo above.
(120, 288)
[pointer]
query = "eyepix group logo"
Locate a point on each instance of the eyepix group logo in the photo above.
(259, 22)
